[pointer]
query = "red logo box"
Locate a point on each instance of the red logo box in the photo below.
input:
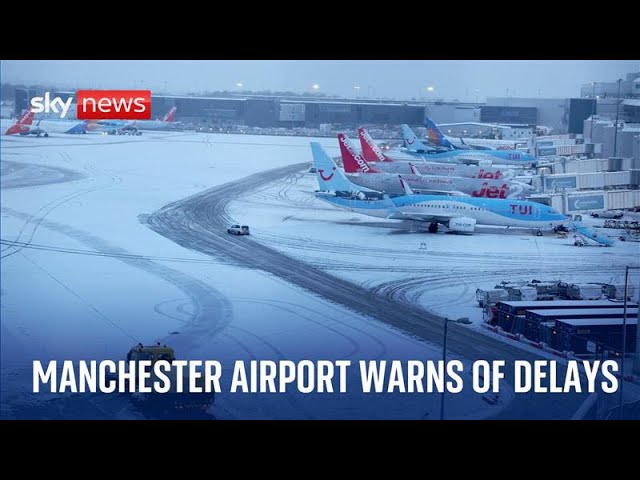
(113, 104)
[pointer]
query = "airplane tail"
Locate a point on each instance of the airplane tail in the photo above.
(370, 150)
(435, 135)
(78, 128)
(24, 120)
(412, 142)
(330, 177)
(414, 170)
(405, 186)
(353, 162)
(170, 115)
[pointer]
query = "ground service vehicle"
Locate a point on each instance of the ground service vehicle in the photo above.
(170, 405)
(238, 230)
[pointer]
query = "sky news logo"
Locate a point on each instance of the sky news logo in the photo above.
(99, 105)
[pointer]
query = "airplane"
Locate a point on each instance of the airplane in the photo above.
(122, 126)
(459, 214)
(436, 137)
(361, 173)
(24, 126)
(487, 157)
(372, 153)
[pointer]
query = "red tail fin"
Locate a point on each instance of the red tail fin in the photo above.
(352, 161)
(370, 151)
(170, 116)
(414, 170)
(22, 123)
(26, 118)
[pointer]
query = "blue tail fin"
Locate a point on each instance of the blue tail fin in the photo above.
(435, 135)
(330, 177)
(78, 128)
(412, 142)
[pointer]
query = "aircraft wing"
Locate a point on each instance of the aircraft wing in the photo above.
(462, 124)
(432, 191)
(420, 217)
(469, 161)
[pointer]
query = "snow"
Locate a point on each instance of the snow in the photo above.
(87, 279)
(440, 272)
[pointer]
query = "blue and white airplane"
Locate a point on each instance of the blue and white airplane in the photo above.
(458, 213)
(416, 147)
(128, 126)
(437, 137)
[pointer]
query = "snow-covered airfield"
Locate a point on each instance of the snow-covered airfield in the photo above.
(96, 257)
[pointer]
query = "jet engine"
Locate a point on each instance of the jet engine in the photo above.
(462, 225)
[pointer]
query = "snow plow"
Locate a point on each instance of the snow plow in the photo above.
(172, 404)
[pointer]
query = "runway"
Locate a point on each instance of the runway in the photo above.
(199, 223)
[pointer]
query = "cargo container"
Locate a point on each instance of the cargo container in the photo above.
(523, 294)
(548, 334)
(506, 311)
(520, 308)
(584, 291)
(506, 322)
(551, 315)
(545, 290)
(573, 334)
(491, 297)
(534, 318)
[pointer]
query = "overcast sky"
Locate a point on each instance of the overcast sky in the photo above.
(466, 80)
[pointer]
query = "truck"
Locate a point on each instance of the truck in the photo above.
(523, 293)
(545, 290)
(491, 297)
(173, 404)
(584, 291)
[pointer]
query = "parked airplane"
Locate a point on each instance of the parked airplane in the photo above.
(371, 152)
(458, 213)
(361, 173)
(437, 137)
(121, 126)
(24, 126)
(477, 157)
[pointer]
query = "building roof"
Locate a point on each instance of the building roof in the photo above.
(580, 322)
(578, 312)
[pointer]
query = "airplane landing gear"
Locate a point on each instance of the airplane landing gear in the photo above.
(433, 228)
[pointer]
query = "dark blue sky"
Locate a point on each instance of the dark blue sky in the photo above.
(403, 79)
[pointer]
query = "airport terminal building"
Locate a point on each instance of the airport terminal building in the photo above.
(564, 115)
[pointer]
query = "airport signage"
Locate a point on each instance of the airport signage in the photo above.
(558, 183)
(576, 203)
(113, 104)
(546, 152)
